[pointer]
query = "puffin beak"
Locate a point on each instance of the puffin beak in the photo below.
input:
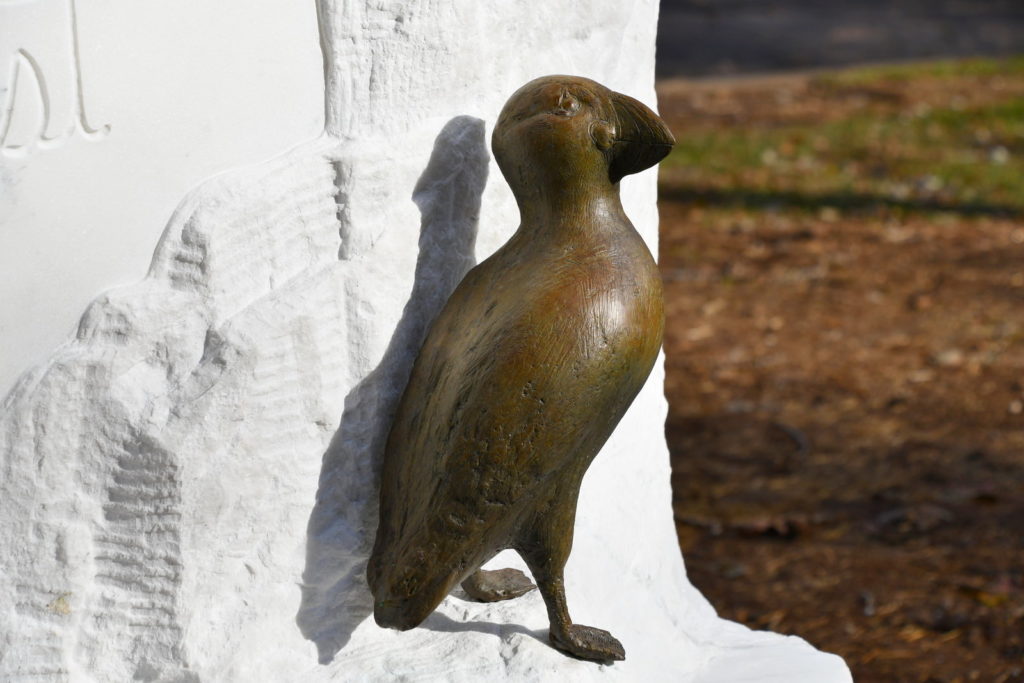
(641, 138)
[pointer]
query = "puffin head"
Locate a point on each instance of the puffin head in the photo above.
(564, 129)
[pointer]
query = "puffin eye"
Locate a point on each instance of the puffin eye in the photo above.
(567, 104)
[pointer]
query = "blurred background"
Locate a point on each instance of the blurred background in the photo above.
(703, 37)
(842, 243)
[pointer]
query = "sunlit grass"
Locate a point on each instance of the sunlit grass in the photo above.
(946, 68)
(949, 155)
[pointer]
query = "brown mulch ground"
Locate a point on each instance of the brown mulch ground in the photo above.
(846, 393)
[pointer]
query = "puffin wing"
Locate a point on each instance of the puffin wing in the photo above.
(520, 378)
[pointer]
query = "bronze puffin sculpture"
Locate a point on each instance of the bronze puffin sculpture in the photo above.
(528, 368)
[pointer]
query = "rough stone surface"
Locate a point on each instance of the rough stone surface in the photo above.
(187, 486)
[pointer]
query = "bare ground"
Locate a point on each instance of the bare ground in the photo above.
(845, 376)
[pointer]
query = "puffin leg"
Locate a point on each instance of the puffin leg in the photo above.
(546, 553)
(485, 585)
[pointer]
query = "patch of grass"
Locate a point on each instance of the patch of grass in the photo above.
(916, 155)
(947, 68)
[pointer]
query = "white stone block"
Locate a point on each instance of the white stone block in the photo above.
(188, 485)
(146, 101)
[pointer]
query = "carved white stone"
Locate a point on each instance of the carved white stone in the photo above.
(188, 486)
(110, 112)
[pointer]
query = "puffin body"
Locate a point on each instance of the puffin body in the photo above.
(527, 369)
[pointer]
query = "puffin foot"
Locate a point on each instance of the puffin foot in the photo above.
(502, 584)
(587, 642)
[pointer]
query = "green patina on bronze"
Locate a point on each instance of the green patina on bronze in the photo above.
(527, 369)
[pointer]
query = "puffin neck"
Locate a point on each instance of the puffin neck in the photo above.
(575, 208)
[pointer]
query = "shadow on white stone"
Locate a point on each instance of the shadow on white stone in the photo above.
(441, 623)
(335, 597)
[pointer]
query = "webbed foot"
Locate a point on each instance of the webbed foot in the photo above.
(587, 642)
(502, 584)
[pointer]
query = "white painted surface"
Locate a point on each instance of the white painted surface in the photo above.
(188, 89)
(187, 488)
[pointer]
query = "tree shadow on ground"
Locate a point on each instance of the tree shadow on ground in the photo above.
(335, 597)
(750, 198)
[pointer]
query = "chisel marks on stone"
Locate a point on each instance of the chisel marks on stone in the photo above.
(137, 556)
